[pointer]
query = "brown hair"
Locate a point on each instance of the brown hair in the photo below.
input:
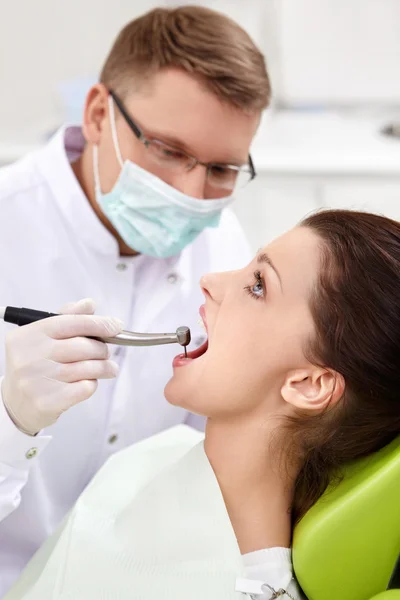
(198, 40)
(356, 311)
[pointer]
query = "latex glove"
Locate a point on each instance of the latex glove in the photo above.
(51, 366)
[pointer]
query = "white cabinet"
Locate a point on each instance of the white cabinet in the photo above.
(311, 161)
(273, 204)
(379, 195)
(270, 205)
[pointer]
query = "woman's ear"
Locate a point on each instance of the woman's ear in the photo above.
(312, 389)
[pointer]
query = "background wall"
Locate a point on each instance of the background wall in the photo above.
(45, 42)
(339, 52)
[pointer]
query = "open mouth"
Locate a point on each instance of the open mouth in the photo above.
(181, 359)
(198, 352)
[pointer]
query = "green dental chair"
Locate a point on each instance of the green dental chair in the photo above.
(347, 547)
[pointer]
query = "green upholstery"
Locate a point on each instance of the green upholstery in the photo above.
(389, 595)
(346, 546)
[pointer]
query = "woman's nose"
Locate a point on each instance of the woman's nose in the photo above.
(214, 285)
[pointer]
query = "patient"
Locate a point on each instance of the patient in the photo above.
(300, 376)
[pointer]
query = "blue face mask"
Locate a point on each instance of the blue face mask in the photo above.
(152, 217)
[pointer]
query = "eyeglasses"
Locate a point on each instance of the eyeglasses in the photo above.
(222, 177)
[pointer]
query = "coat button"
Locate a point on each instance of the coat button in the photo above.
(121, 267)
(32, 452)
(172, 278)
(113, 438)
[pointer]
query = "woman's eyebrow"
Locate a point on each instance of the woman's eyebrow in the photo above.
(264, 258)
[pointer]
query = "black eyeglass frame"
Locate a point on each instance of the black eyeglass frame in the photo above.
(146, 141)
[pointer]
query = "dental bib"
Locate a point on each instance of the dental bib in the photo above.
(151, 525)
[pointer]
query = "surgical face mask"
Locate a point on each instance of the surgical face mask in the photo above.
(152, 217)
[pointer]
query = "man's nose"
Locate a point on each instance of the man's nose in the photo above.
(192, 183)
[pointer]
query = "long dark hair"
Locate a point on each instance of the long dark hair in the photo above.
(356, 310)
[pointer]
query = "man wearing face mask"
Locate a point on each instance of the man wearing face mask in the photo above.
(130, 209)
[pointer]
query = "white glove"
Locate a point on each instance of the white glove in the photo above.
(51, 365)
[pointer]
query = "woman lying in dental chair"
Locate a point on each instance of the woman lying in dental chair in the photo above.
(301, 375)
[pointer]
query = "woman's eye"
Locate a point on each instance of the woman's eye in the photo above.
(256, 289)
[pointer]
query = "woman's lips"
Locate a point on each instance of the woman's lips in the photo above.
(181, 360)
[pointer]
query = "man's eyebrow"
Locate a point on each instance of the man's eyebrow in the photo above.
(264, 258)
(170, 140)
(179, 144)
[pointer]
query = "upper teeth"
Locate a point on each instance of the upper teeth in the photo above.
(201, 323)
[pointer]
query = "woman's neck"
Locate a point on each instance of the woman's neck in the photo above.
(257, 494)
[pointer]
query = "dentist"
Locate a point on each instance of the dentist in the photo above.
(130, 209)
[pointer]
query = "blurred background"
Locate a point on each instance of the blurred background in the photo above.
(330, 138)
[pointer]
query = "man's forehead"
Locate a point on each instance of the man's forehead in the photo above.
(195, 121)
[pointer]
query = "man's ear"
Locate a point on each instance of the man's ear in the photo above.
(95, 112)
(312, 389)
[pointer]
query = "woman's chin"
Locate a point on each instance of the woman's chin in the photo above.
(181, 396)
(174, 393)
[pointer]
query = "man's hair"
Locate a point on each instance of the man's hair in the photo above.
(200, 41)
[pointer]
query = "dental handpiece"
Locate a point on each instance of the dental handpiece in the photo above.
(25, 316)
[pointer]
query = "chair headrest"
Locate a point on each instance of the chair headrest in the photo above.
(347, 544)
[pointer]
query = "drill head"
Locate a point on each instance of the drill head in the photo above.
(183, 335)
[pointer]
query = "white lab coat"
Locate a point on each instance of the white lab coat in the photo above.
(53, 249)
(151, 525)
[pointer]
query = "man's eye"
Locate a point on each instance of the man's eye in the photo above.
(163, 152)
(223, 173)
(169, 153)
